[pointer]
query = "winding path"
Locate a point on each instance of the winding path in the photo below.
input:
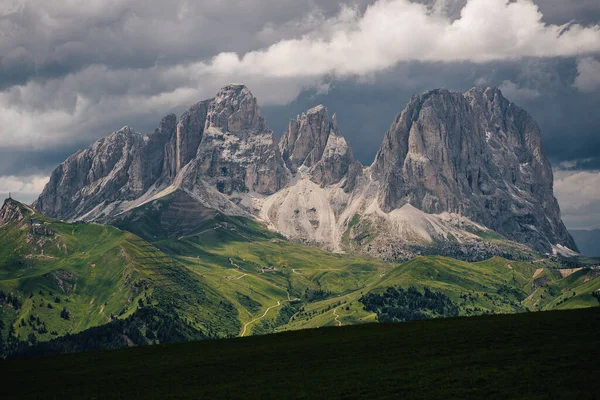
(337, 317)
(234, 264)
(258, 318)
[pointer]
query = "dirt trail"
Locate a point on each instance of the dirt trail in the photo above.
(337, 317)
(258, 318)
(234, 264)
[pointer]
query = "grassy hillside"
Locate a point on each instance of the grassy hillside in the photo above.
(278, 285)
(546, 355)
(64, 278)
(183, 272)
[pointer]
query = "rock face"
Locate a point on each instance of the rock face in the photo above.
(474, 154)
(10, 212)
(238, 152)
(313, 141)
(92, 176)
(451, 165)
(183, 144)
(221, 143)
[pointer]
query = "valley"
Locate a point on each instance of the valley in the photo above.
(231, 277)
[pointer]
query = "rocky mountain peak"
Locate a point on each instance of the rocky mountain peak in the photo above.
(234, 109)
(305, 139)
(237, 153)
(474, 154)
(166, 125)
(313, 141)
(12, 211)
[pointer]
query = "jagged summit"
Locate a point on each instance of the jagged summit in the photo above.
(313, 142)
(13, 211)
(234, 109)
(476, 154)
(302, 144)
(473, 159)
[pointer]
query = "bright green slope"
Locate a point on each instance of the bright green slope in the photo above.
(227, 276)
(308, 288)
(97, 274)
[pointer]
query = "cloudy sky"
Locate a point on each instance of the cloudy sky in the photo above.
(73, 71)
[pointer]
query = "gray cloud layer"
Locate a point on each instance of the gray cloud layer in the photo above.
(71, 72)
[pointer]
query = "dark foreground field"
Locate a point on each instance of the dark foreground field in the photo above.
(531, 356)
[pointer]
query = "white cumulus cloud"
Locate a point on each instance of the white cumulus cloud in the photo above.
(391, 31)
(22, 188)
(578, 193)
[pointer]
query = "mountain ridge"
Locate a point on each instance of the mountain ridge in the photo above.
(474, 155)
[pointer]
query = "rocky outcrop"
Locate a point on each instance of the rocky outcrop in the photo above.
(313, 141)
(238, 152)
(474, 154)
(11, 211)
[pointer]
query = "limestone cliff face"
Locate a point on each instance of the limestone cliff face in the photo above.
(92, 176)
(475, 154)
(238, 152)
(184, 139)
(223, 141)
(313, 141)
(150, 159)
(306, 137)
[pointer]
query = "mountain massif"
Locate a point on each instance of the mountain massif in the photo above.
(200, 229)
(457, 174)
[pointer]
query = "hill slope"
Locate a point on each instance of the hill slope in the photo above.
(58, 278)
(534, 356)
(280, 285)
(185, 273)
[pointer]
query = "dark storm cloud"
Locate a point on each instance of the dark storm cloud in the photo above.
(557, 12)
(562, 12)
(47, 39)
(568, 120)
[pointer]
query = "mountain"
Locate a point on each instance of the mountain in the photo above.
(588, 241)
(218, 146)
(475, 154)
(313, 144)
(462, 175)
